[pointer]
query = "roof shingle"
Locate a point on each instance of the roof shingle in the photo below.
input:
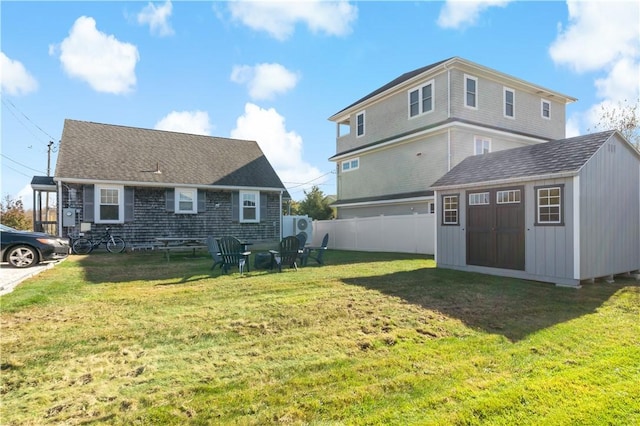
(555, 157)
(106, 152)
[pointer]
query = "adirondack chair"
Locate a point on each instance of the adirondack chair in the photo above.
(316, 253)
(302, 241)
(288, 253)
(214, 251)
(232, 253)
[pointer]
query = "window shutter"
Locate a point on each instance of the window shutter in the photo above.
(202, 201)
(263, 207)
(235, 206)
(128, 204)
(88, 203)
(170, 200)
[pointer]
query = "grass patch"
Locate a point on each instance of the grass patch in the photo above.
(370, 338)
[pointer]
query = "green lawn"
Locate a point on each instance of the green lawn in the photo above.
(370, 338)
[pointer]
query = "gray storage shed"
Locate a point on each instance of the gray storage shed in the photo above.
(560, 212)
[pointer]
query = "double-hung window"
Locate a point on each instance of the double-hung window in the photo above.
(549, 205)
(509, 103)
(360, 124)
(249, 206)
(545, 109)
(470, 92)
(421, 100)
(450, 210)
(109, 202)
(186, 200)
(482, 145)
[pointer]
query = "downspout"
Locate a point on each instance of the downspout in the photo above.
(280, 215)
(448, 116)
(59, 208)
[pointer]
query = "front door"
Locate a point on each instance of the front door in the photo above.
(495, 228)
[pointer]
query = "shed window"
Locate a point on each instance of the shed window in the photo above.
(478, 199)
(511, 196)
(450, 210)
(549, 205)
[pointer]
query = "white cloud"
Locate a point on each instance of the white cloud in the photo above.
(108, 65)
(282, 148)
(279, 19)
(16, 80)
(193, 122)
(158, 18)
(265, 80)
(457, 14)
(601, 38)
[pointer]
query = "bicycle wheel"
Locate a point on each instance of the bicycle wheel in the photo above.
(115, 245)
(82, 246)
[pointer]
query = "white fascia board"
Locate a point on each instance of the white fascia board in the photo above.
(166, 185)
(381, 202)
(456, 124)
(511, 181)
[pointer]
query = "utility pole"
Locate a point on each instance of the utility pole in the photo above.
(48, 174)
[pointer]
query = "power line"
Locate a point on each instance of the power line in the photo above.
(20, 164)
(17, 171)
(298, 184)
(4, 101)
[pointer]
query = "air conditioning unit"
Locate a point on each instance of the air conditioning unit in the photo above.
(293, 225)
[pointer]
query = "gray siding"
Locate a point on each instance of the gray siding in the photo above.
(528, 118)
(151, 218)
(395, 209)
(549, 248)
(390, 117)
(396, 169)
(610, 211)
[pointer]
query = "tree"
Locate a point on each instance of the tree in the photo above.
(315, 205)
(625, 118)
(12, 214)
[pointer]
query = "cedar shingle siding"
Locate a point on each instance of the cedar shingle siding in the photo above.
(148, 165)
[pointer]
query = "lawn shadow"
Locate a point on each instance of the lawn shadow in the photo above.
(509, 307)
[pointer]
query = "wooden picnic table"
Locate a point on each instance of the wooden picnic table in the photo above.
(176, 244)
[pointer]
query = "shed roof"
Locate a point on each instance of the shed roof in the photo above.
(104, 152)
(563, 156)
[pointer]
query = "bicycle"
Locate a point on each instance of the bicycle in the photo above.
(85, 245)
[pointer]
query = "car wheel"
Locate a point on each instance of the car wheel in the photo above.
(22, 256)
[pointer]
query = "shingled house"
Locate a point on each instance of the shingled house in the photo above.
(561, 212)
(150, 183)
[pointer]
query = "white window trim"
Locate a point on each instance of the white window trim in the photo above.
(508, 193)
(464, 94)
(364, 124)
(475, 144)
(479, 199)
(194, 209)
(559, 205)
(445, 210)
(542, 102)
(419, 90)
(96, 200)
(504, 103)
(241, 207)
(350, 166)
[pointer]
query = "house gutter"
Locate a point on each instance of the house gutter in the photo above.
(166, 185)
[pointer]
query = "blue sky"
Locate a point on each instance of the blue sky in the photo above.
(274, 72)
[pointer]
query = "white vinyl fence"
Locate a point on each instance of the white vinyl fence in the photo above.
(401, 234)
